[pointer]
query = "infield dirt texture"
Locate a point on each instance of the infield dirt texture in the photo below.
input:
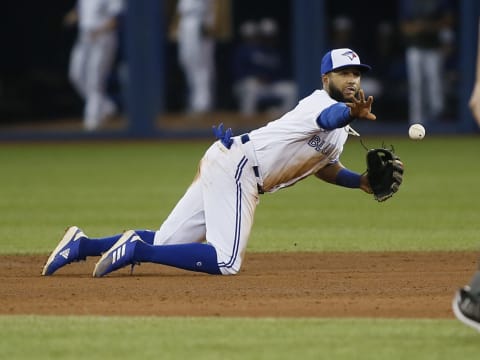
(332, 284)
(355, 258)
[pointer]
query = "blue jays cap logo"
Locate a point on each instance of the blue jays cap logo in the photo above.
(350, 54)
(340, 58)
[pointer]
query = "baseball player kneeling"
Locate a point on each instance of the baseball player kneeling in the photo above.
(208, 232)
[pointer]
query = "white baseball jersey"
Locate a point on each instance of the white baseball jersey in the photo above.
(220, 204)
(94, 14)
(200, 10)
(293, 147)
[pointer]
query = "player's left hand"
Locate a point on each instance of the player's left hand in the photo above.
(365, 184)
(384, 173)
(361, 108)
(224, 136)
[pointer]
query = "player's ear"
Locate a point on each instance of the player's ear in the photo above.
(325, 80)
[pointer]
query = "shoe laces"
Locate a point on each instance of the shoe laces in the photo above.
(132, 265)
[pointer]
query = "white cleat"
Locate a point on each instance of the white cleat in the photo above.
(66, 251)
(119, 255)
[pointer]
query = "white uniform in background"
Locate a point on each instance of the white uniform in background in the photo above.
(220, 204)
(196, 52)
(92, 58)
(266, 76)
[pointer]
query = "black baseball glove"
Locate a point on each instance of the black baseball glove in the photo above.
(384, 172)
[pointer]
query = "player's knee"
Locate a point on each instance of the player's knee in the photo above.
(229, 270)
(228, 264)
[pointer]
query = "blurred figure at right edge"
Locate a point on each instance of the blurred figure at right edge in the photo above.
(93, 55)
(425, 25)
(474, 102)
(466, 302)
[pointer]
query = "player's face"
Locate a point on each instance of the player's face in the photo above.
(343, 85)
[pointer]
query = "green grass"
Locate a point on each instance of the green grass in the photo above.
(108, 187)
(228, 338)
(105, 188)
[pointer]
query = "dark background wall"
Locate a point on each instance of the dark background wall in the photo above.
(36, 47)
(34, 56)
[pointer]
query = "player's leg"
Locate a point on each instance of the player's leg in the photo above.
(229, 217)
(76, 246)
(415, 85)
(250, 90)
(188, 39)
(186, 222)
(99, 66)
(434, 81)
(97, 246)
(180, 241)
(177, 242)
(202, 75)
(77, 66)
(466, 303)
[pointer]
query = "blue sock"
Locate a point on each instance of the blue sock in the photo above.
(146, 235)
(193, 257)
(95, 247)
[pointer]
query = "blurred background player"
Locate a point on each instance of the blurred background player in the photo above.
(197, 24)
(261, 75)
(466, 303)
(93, 55)
(474, 102)
(343, 36)
(426, 27)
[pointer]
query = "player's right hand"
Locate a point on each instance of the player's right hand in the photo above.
(361, 108)
(474, 103)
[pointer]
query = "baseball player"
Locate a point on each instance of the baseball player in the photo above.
(426, 27)
(474, 102)
(194, 26)
(466, 302)
(93, 55)
(208, 229)
(259, 69)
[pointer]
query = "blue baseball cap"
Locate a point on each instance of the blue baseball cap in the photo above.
(341, 58)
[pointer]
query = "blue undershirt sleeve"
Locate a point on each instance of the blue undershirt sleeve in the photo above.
(348, 178)
(334, 117)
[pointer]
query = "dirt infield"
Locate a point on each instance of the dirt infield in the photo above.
(393, 284)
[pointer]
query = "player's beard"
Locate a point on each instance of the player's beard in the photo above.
(336, 94)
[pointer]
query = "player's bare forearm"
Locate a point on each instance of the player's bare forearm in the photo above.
(329, 173)
(474, 103)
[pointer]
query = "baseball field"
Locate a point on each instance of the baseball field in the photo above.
(329, 272)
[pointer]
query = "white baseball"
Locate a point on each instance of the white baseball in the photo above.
(416, 132)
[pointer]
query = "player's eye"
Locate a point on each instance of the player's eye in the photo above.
(349, 72)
